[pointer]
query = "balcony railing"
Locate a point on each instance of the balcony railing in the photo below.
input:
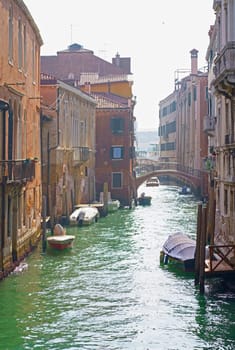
(209, 124)
(80, 154)
(225, 63)
(17, 170)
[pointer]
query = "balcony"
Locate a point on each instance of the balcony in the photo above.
(209, 125)
(80, 155)
(224, 69)
(19, 171)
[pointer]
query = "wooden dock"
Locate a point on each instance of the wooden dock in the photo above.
(221, 259)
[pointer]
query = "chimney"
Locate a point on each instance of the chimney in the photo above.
(194, 67)
(87, 86)
(116, 60)
(122, 62)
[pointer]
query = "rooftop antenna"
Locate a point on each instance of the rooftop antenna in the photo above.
(104, 50)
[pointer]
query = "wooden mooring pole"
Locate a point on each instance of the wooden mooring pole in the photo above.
(105, 192)
(202, 250)
(44, 241)
(198, 240)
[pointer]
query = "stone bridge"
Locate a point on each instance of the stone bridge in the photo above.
(196, 179)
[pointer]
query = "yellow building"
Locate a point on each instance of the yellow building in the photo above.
(20, 176)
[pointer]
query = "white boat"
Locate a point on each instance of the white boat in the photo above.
(112, 204)
(179, 249)
(60, 240)
(153, 181)
(185, 190)
(84, 216)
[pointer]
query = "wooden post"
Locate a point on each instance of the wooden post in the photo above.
(198, 240)
(44, 242)
(202, 251)
(213, 223)
(105, 190)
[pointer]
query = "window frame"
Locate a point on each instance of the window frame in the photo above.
(117, 148)
(117, 181)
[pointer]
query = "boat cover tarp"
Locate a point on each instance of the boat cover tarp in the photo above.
(180, 246)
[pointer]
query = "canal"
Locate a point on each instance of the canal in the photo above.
(110, 293)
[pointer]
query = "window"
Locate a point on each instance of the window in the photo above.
(20, 45)
(18, 152)
(117, 125)
(116, 180)
(189, 99)
(25, 49)
(225, 202)
(10, 35)
(117, 152)
(33, 61)
(194, 93)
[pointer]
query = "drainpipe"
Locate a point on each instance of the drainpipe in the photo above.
(4, 107)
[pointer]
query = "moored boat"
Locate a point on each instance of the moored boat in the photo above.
(179, 249)
(153, 181)
(113, 205)
(185, 190)
(85, 215)
(60, 240)
(144, 200)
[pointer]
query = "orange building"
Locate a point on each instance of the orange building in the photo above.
(20, 177)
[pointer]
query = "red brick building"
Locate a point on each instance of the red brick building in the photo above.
(115, 152)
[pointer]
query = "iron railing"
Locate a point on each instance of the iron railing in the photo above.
(80, 154)
(17, 170)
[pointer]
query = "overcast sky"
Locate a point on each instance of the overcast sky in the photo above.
(157, 34)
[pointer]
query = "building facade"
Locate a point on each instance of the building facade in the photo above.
(20, 177)
(167, 128)
(181, 130)
(115, 150)
(220, 56)
(68, 147)
(192, 141)
(93, 75)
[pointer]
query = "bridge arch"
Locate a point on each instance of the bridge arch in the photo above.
(193, 181)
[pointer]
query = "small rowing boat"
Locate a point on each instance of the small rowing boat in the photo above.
(60, 240)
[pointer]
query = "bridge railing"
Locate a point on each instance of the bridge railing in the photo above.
(143, 168)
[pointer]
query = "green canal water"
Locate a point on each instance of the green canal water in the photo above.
(109, 292)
